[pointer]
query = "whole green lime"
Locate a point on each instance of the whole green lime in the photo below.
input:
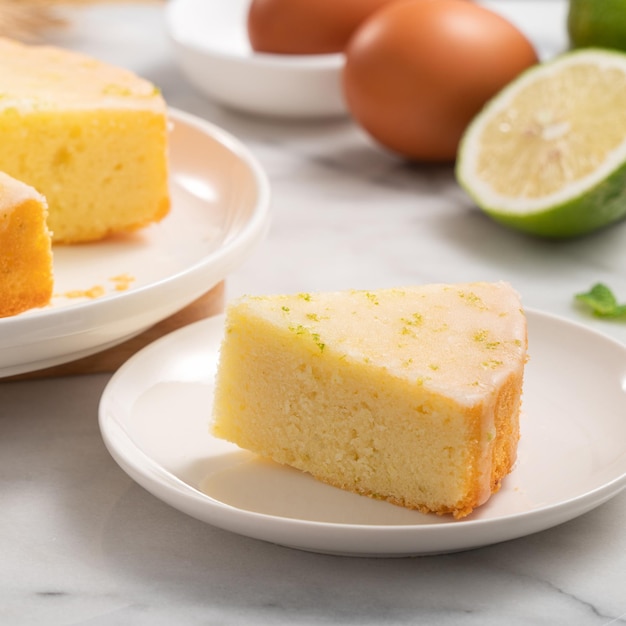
(597, 23)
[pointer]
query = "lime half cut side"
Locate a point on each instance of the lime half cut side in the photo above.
(547, 155)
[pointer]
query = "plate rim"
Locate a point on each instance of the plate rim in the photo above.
(270, 527)
(76, 317)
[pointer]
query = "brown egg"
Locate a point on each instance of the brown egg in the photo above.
(306, 26)
(418, 71)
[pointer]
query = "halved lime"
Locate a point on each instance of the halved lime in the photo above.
(547, 155)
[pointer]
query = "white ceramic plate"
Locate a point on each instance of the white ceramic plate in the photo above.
(220, 207)
(154, 417)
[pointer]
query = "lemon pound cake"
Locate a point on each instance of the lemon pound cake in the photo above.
(410, 395)
(25, 249)
(90, 137)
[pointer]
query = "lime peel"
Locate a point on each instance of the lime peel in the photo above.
(597, 23)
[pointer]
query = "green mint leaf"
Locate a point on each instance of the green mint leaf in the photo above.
(602, 302)
(619, 313)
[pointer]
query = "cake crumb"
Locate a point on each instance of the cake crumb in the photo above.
(122, 281)
(94, 292)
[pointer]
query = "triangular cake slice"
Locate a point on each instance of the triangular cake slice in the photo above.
(411, 395)
(26, 276)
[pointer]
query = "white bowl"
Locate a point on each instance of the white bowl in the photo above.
(211, 44)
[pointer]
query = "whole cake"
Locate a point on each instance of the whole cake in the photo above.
(90, 137)
(410, 395)
(26, 277)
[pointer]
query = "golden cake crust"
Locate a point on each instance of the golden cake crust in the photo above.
(26, 275)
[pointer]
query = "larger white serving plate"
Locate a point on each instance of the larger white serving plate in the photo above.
(109, 291)
(155, 414)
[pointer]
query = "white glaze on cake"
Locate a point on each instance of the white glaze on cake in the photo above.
(47, 78)
(413, 338)
(14, 192)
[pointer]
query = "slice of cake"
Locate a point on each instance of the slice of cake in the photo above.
(25, 250)
(92, 138)
(409, 395)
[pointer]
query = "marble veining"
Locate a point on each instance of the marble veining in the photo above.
(81, 543)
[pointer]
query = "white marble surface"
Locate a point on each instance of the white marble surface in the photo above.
(80, 543)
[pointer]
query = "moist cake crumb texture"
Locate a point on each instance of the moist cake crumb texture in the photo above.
(411, 395)
(90, 137)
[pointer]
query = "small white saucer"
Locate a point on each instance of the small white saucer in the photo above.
(211, 44)
(155, 416)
